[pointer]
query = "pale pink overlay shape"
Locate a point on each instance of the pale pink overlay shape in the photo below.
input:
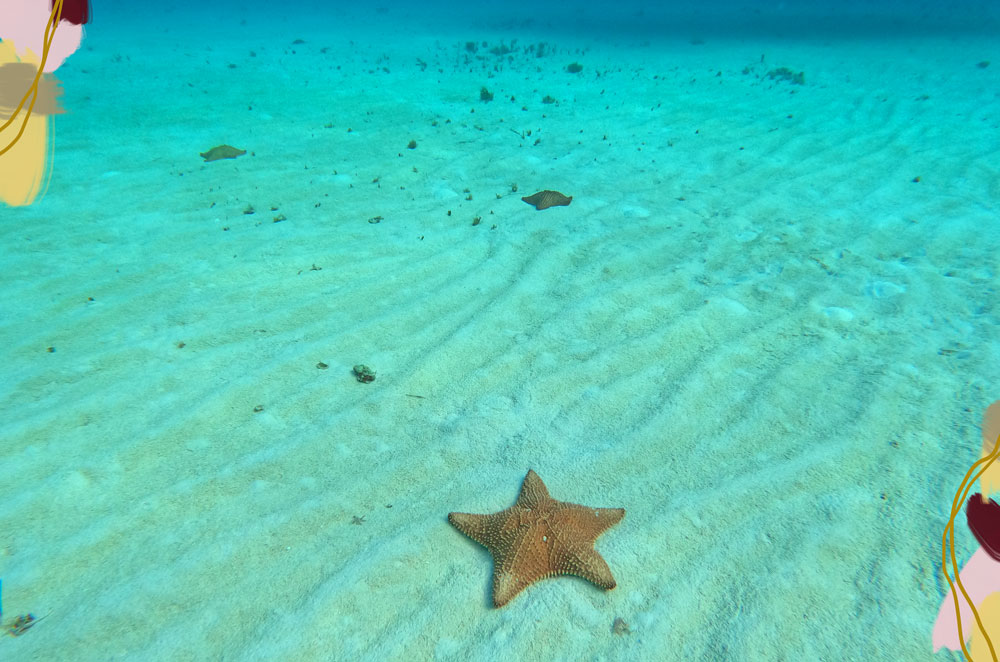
(980, 577)
(23, 22)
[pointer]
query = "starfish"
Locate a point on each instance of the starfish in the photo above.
(539, 537)
(545, 199)
(222, 152)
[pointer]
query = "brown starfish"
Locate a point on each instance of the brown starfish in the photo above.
(540, 537)
(222, 152)
(545, 199)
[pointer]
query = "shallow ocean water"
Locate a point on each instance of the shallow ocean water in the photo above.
(765, 326)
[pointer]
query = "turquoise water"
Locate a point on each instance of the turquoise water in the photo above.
(765, 326)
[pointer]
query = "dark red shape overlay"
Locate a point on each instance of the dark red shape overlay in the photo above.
(984, 522)
(76, 12)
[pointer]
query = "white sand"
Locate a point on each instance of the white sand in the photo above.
(751, 329)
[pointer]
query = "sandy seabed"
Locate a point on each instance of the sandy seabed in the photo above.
(766, 326)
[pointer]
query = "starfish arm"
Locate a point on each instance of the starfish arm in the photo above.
(507, 583)
(589, 523)
(608, 517)
(533, 491)
(590, 565)
(474, 526)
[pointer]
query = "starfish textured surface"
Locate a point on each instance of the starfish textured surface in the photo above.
(540, 537)
(222, 152)
(545, 199)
